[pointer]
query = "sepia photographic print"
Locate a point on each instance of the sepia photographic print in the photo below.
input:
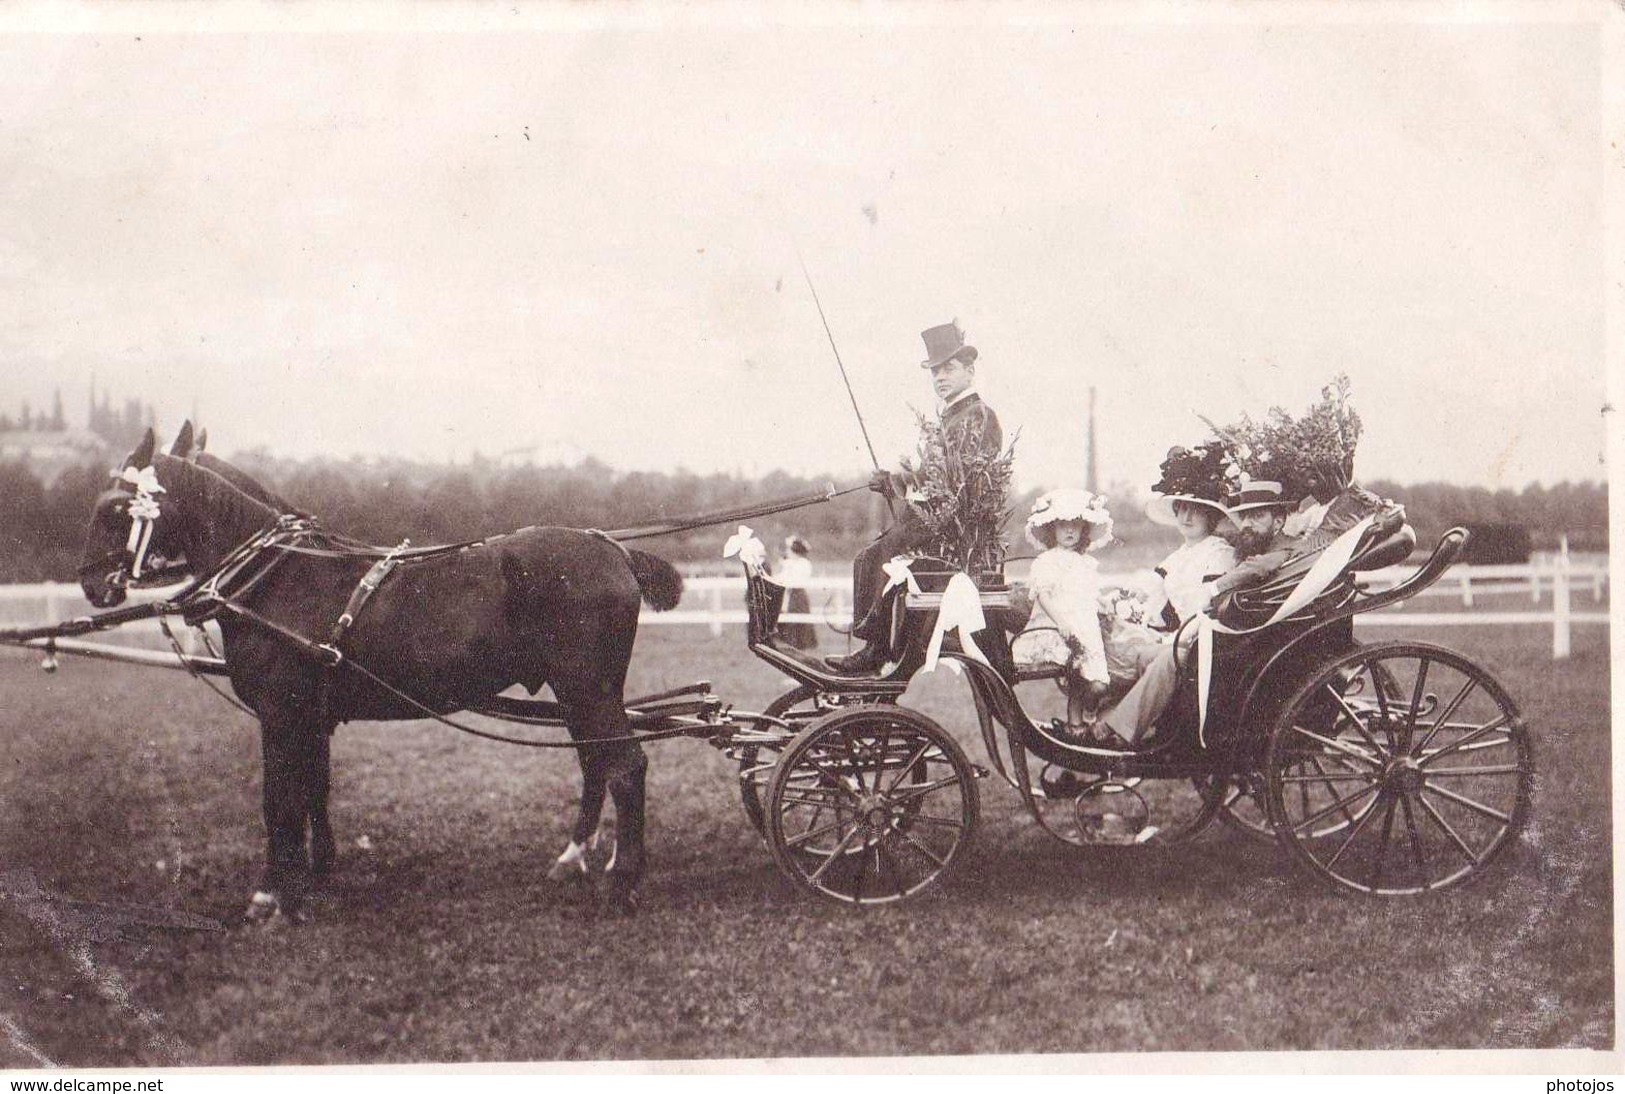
(994, 537)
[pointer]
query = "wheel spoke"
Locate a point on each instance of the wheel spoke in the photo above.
(1325, 777)
(1354, 834)
(834, 856)
(1461, 844)
(1354, 716)
(1416, 839)
(1457, 745)
(939, 822)
(1315, 761)
(1337, 746)
(920, 790)
(1416, 701)
(811, 834)
(1444, 715)
(1461, 799)
(1459, 772)
(831, 799)
(923, 849)
(1382, 847)
(919, 754)
(892, 866)
(1340, 804)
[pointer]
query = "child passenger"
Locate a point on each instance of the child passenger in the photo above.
(1065, 585)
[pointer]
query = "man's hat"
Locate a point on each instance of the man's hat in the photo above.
(1259, 494)
(944, 343)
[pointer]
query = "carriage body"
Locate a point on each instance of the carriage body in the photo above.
(1306, 736)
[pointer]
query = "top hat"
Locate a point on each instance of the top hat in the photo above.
(944, 343)
(1259, 494)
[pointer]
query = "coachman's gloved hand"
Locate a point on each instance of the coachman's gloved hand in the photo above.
(880, 482)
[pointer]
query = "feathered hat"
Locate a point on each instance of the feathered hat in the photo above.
(1205, 475)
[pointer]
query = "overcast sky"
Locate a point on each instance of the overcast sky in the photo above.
(583, 238)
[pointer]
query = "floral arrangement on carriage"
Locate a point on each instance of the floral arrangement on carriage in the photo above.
(962, 493)
(1312, 457)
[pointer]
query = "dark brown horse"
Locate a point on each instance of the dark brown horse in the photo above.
(541, 606)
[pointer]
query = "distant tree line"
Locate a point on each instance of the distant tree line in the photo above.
(42, 526)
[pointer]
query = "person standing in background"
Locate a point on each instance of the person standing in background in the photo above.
(795, 570)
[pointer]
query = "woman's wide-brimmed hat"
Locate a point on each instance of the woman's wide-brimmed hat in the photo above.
(1161, 507)
(944, 343)
(1259, 494)
(1071, 504)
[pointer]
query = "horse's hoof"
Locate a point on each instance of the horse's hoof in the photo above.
(567, 873)
(263, 908)
(267, 911)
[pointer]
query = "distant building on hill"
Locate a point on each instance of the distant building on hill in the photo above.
(50, 452)
(48, 445)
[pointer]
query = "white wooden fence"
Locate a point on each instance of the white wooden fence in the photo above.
(716, 602)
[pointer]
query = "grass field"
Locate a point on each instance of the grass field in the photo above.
(438, 940)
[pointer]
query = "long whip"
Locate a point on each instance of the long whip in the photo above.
(863, 428)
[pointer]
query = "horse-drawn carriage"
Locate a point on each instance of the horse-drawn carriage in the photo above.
(1391, 768)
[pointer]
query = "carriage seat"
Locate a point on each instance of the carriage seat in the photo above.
(1387, 541)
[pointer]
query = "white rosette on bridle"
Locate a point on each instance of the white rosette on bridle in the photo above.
(143, 510)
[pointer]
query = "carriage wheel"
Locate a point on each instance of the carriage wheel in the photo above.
(1416, 757)
(756, 761)
(800, 707)
(871, 804)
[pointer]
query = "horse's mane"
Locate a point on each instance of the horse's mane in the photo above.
(226, 505)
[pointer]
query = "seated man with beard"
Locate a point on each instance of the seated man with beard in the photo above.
(1262, 549)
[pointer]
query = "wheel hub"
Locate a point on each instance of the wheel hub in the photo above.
(1404, 774)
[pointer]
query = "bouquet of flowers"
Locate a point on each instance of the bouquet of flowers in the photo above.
(963, 496)
(1311, 455)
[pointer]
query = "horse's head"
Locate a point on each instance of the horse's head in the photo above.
(127, 541)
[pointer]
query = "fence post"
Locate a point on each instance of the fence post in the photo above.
(1465, 572)
(1534, 583)
(1560, 603)
(716, 610)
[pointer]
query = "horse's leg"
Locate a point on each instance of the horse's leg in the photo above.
(626, 786)
(284, 748)
(597, 714)
(317, 785)
(572, 865)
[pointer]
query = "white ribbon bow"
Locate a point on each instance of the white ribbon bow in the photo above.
(961, 611)
(1320, 576)
(144, 479)
(749, 549)
(898, 573)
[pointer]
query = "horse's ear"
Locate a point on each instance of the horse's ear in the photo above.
(142, 456)
(202, 439)
(182, 448)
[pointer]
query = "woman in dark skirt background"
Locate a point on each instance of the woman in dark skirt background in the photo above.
(795, 569)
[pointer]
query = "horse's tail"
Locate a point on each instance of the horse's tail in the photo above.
(659, 581)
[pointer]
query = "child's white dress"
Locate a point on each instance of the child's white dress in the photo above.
(1066, 588)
